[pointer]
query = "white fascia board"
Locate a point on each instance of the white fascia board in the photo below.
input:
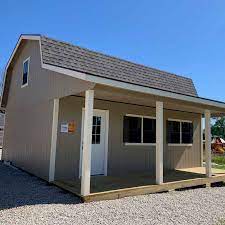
(133, 87)
(112, 83)
(22, 37)
(71, 73)
(152, 91)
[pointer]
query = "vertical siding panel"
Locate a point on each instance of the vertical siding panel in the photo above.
(122, 159)
(29, 111)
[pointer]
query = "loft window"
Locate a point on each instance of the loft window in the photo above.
(179, 132)
(26, 65)
(139, 130)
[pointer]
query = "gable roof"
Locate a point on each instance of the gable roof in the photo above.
(68, 56)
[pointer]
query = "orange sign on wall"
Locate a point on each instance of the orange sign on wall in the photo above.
(71, 127)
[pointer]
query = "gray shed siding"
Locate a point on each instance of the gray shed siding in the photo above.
(121, 158)
(29, 111)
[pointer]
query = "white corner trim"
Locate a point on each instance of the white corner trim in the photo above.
(53, 140)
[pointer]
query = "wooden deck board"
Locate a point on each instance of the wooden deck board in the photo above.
(107, 187)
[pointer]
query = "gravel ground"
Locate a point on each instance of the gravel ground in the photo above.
(25, 199)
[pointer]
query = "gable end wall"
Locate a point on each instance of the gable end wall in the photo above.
(29, 111)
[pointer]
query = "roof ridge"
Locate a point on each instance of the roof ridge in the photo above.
(117, 58)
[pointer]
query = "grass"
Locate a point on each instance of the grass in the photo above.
(220, 160)
(222, 167)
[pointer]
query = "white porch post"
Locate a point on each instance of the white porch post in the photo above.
(87, 143)
(55, 116)
(201, 139)
(208, 143)
(159, 142)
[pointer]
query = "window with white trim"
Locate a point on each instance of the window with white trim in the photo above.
(179, 132)
(139, 130)
(26, 65)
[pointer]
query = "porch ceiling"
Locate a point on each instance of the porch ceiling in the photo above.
(136, 98)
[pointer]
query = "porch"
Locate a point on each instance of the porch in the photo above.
(113, 187)
(145, 161)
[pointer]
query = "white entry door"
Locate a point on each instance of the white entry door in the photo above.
(99, 142)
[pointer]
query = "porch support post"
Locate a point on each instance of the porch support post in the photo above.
(51, 176)
(87, 143)
(159, 142)
(201, 140)
(208, 143)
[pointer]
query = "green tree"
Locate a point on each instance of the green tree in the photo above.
(218, 128)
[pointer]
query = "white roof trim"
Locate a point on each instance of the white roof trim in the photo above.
(113, 83)
(153, 91)
(71, 73)
(133, 87)
(22, 37)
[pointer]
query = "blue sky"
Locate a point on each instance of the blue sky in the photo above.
(186, 37)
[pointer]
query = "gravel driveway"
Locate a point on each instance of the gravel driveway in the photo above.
(25, 199)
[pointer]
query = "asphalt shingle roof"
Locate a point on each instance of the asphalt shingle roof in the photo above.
(75, 58)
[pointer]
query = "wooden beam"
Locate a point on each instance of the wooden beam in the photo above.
(159, 142)
(208, 143)
(87, 143)
(150, 189)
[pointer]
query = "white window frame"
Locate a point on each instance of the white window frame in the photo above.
(180, 144)
(28, 72)
(140, 144)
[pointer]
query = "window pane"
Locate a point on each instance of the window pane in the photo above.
(25, 72)
(97, 139)
(98, 120)
(94, 120)
(132, 129)
(93, 139)
(25, 67)
(98, 129)
(93, 129)
(149, 130)
(187, 133)
(173, 132)
(24, 78)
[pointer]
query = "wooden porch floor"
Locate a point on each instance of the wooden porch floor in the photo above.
(110, 187)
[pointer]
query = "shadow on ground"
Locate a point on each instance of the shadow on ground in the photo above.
(18, 188)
